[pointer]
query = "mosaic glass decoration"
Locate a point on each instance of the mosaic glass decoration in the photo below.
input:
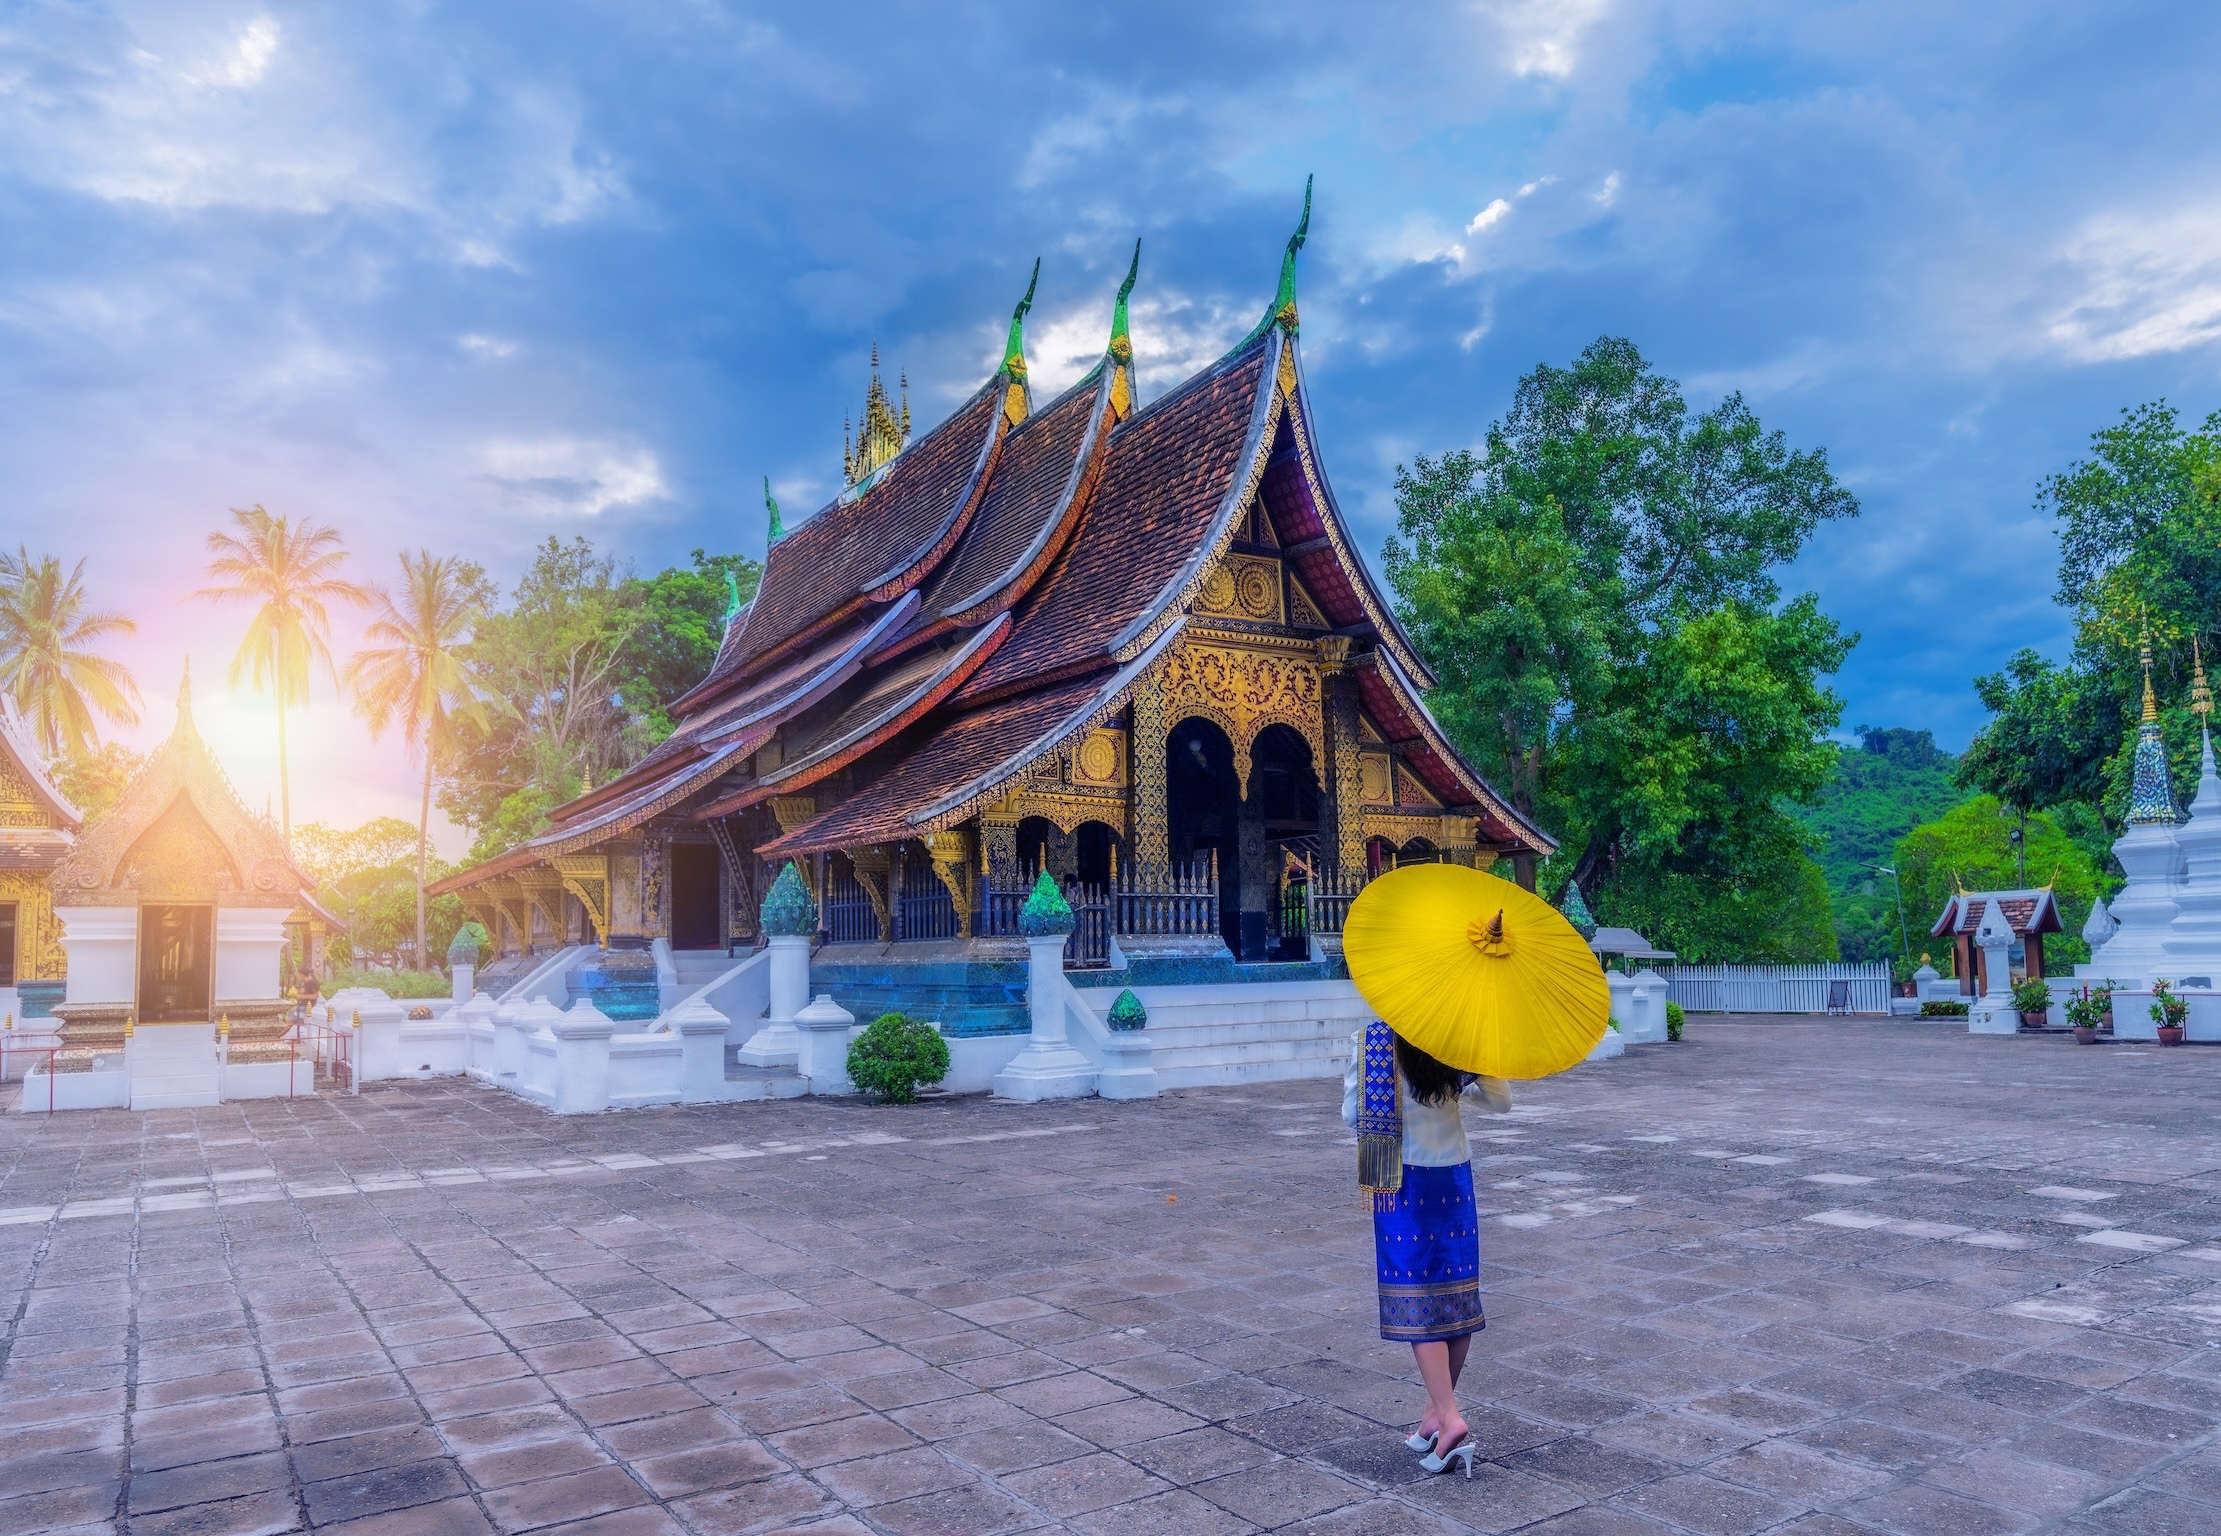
(789, 910)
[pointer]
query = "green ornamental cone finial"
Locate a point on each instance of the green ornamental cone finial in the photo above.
(1577, 911)
(732, 598)
(1014, 355)
(778, 532)
(1121, 344)
(1046, 912)
(789, 910)
(1127, 1012)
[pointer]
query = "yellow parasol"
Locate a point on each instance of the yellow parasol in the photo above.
(1479, 974)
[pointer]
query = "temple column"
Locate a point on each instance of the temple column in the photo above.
(1151, 830)
(1342, 838)
(1259, 879)
(998, 841)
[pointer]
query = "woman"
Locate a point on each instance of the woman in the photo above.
(1412, 1159)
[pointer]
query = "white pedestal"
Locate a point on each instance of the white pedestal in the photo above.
(582, 1059)
(701, 1031)
(779, 1043)
(825, 1028)
(1048, 1067)
(173, 1066)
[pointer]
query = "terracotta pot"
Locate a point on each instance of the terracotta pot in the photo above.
(2086, 1034)
(2034, 1020)
(2170, 1034)
(2106, 1023)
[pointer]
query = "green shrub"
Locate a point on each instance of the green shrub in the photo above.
(2087, 1009)
(897, 1053)
(393, 983)
(1941, 1010)
(2032, 996)
(1673, 1021)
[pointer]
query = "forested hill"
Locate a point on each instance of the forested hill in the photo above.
(1893, 781)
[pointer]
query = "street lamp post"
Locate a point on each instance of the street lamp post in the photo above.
(1904, 937)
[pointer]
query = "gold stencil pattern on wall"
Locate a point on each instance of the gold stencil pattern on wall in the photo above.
(1243, 692)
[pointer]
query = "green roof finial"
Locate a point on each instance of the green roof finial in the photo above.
(1014, 355)
(1121, 345)
(1284, 302)
(777, 531)
(732, 597)
(1283, 308)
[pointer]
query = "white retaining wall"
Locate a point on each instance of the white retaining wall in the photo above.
(1777, 988)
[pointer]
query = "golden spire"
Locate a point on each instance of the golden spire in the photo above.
(883, 432)
(2201, 697)
(2144, 654)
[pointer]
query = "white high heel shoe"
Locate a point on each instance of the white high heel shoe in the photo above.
(1441, 1461)
(1422, 1443)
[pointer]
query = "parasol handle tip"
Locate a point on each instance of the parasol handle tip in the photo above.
(1489, 939)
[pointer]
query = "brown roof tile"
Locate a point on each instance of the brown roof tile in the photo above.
(1031, 474)
(1165, 472)
(920, 769)
(823, 565)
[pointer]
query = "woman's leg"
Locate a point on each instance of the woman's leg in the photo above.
(1442, 1407)
(1460, 1347)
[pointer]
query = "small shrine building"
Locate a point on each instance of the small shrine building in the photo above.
(38, 828)
(175, 905)
(2030, 914)
(1131, 644)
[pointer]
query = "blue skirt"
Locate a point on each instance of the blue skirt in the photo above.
(1427, 1246)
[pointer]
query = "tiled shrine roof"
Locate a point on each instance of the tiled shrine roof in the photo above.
(2035, 911)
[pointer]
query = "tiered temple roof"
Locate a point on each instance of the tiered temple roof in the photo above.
(1001, 586)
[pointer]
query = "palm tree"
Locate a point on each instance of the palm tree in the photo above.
(289, 571)
(57, 685)
(413, 672)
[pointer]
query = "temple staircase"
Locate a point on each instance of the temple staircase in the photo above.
(1219, 1036)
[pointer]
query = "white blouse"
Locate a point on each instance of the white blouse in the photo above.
(1434, 1135)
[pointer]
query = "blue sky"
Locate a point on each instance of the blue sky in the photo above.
(465, 277)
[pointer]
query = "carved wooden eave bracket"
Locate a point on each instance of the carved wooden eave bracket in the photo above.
(586, 876)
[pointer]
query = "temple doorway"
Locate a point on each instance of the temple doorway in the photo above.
(1203, 808)
(176, 970)
(1093, 844)
(694, 897)
(1280, 830)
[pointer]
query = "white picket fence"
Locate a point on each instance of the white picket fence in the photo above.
(1777, 988)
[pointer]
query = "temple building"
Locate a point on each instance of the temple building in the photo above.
(1132, 644)
(176, 905)
(38, 827)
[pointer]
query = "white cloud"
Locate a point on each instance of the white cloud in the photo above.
(1173, 336)
(1492, 214)
(2141, 285)
(486, 346)
(1543, 37)
(572, 476)
(249, 58)
(1609, 192)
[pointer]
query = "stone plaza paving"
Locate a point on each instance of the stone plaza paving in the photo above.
(1820, 1276)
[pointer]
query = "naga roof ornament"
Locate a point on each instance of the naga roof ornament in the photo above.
(771, 503)
(1017, 403)
(882, 433)
(1121, 344)
(1282, 311)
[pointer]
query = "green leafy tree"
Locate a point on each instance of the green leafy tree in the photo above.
(56, 684)
(2139, 524)
(1970, 847)
(289, 572)
(1892, 781)
(580, 673)
(412, 673)
(93, 779)
(368, 875)
(1596, 590)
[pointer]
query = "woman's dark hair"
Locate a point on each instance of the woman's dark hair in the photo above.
(1428, 1080)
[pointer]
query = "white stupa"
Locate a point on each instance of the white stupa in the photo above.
(2145, 910)
(2193, 943)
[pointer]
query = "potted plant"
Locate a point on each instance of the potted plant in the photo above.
(2169, 1013)
(2032, 1001)
(2089, 1012)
